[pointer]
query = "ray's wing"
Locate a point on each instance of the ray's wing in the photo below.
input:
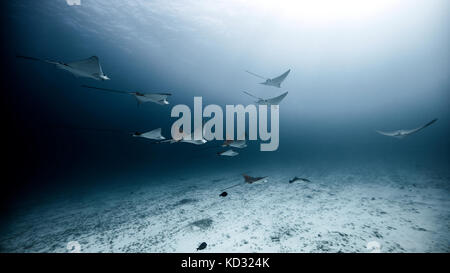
(281, 78)
(90, 66)
(164, 141)
(247, 178)
(157, 96)
(420, 128)
(228, 153)
(154, 134)
(277, 100)
(392, 133)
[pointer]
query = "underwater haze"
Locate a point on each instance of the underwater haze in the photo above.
(357, 67)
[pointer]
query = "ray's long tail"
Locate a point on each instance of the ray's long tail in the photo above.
(256, 75)
(233, 186)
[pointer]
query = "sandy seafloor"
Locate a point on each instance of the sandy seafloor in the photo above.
(403, 209)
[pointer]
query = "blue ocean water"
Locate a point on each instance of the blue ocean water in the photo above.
(350, 76)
